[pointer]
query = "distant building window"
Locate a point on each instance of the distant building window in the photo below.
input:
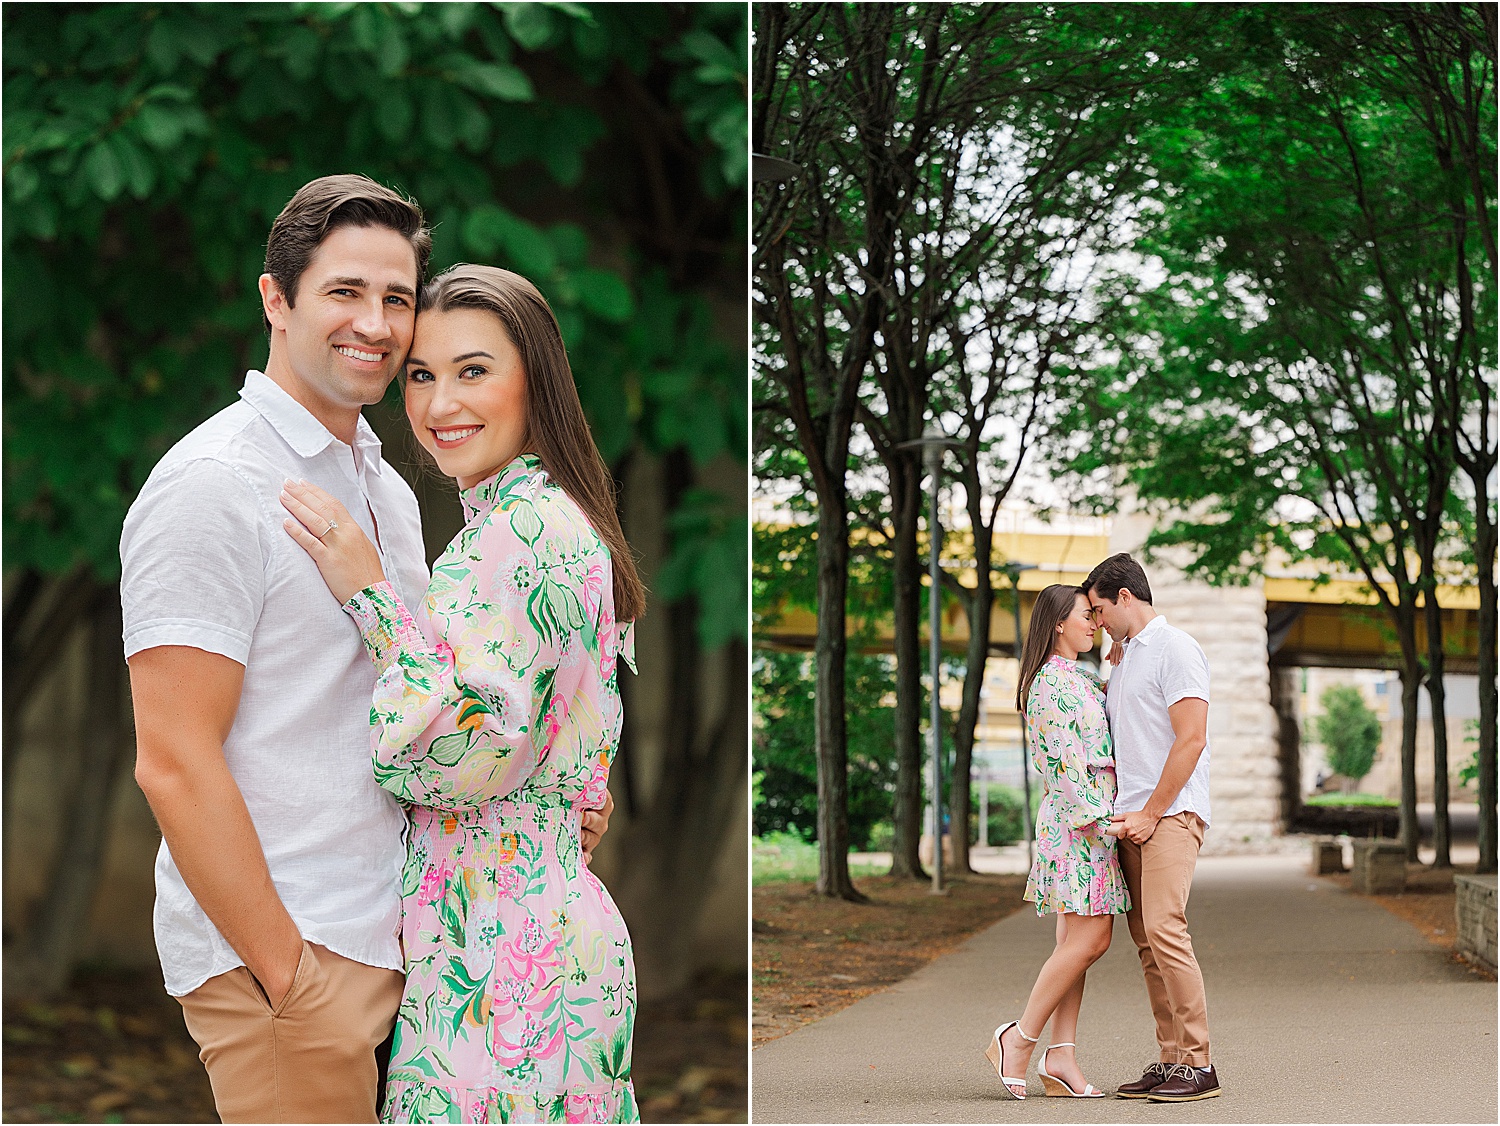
(1380, 688)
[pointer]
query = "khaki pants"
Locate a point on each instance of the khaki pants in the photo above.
(1159, 875)
(311, 1058)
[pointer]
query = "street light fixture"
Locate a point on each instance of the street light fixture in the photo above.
(932, 443)
(1014, 571)
(771, 169)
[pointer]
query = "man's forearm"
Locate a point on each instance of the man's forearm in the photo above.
(1182, 760)
(213, 842)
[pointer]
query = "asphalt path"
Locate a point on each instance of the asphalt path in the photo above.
(1323, 1007)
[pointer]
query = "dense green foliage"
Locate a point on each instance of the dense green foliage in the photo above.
(597, 149)
(1288, 345)
(1348, 730)
(782, 745)
(1318, 283)
(1007, 814)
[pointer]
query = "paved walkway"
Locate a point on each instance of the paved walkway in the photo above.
(1324, 1008)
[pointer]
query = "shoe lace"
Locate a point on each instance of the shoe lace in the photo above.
(1181, 1071)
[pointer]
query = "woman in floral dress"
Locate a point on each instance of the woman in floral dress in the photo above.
(495, 718)
(1076, 874)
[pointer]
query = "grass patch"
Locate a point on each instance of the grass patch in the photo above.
(778, 857)
(1346, 800)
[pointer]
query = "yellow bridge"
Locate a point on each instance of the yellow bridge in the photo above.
(1334, 624)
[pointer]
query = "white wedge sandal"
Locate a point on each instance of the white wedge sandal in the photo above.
(995, 1053)
(1059, 1087)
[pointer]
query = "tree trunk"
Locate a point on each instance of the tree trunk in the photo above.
(1437, 695)
(678, 831)
(39, 619)
(830, 743)
(1485, 543)
(60, 920)
(1411, 682)
(906, 814)
(980, 606)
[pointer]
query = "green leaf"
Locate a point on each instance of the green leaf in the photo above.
(140, 173)
(709, 49)
(440, 116)
(604, 294)
(391, 50)
(530, 25)
(22, 181)
(103, 171)
(197, 40)
(161, 126)
(302, 49)
(498, 80)
(161, 46)
(489, 231)
(394, 112)
(570, 242)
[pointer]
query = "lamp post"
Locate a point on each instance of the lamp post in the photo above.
(932, 442)
(1014, 571)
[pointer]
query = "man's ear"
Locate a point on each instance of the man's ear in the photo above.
(273, 301)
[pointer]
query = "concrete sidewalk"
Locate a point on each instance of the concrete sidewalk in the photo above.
(1324, 1008)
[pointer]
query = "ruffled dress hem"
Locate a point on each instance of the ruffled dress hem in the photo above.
(1079, 888)
(408, 1101)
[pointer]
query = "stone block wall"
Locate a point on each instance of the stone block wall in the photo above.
(1475, 906)
(1245, 787)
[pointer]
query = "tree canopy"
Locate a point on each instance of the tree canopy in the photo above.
(597, 149)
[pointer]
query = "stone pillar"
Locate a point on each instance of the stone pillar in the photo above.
(1245, 785)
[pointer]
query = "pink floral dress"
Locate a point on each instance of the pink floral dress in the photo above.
(494, 722)
(1076, 868)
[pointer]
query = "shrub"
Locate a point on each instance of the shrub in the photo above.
(1349, 732)
(1006, 814)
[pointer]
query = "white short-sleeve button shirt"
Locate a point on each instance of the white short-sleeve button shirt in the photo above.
(206, 563)
(1162, 665)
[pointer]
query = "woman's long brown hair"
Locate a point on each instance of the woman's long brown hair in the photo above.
(556, 429)
(1053, 605)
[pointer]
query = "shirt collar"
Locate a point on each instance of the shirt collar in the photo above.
(525, 470)
(296, 424)
(1148, 630)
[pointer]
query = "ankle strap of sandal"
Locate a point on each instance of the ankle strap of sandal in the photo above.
(1062, 1044)
(1022, 1034)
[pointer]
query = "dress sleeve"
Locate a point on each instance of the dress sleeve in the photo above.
(1055, 715)
(470, 717)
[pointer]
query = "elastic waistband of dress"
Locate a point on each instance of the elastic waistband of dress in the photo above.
(544, 807)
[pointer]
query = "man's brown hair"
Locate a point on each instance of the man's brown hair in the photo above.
(556, 427)
(1118, 572)
(323, 205)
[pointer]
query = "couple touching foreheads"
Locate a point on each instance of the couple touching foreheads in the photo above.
(280, 624)
(1126, 806)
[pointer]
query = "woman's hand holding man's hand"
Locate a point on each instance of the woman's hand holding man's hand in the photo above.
(323, 528)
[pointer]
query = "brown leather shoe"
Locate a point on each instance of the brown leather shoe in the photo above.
(1155, 1076)
(1186, 1084)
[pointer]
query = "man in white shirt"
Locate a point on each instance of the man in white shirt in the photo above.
(279, 878)
(1157, 704)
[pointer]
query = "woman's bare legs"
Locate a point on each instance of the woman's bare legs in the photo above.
(1063, 1062)
(1085, 941)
